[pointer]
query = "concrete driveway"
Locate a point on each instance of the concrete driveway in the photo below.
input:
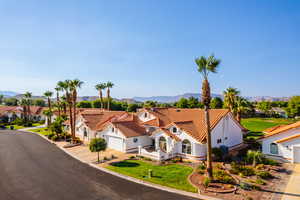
(33, 169)
(292, 190)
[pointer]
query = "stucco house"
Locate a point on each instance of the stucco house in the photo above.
(10, 113)
(283, 141)
(163, 133)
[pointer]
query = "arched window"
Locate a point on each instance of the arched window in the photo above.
(163, 144)
(186, 147)
(274, 148)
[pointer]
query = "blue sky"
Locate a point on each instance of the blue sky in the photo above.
(148, 47)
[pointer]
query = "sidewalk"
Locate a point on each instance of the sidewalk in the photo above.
(292, 190)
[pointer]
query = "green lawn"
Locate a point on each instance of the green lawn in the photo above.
(257, 125)
(172, 175)
(42, 131)
(16, 127)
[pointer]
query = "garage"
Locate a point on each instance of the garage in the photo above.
(115, 143)
(296, 154)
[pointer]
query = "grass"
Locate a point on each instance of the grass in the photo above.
(16, 127)
(172, 175)
(257, 125)
(42, 131)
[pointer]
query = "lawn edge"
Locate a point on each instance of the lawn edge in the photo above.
(129, 178)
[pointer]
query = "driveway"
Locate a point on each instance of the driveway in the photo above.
(292, 190)
(33, 169)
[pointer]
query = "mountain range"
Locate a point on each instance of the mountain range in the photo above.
(160, 99)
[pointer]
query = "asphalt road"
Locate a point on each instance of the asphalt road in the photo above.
(33, 169)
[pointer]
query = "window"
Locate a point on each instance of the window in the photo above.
(226, 138)
(219, 141)
(135, 140)
(174, 130)
(84, 132)
(186, 147)
(163, 144)
(146, 115)
(274, 148)
(112, 129)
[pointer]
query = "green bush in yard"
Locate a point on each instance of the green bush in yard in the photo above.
(264, 174)
(242, 169)
(97, 145)
(206, 182)
(54, 138)
(222, 177)
(50, 135)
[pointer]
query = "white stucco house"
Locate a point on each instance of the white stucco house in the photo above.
(10, 113)
(161, 133)
(283, 141)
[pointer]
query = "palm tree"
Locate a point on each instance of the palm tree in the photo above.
(48, 95)
(27, 97)
(48, 113)
(100, 87)
(65, 85)
(242, 105)
(109, 85)
(74, 85)
(63, 104)
(254, 156)
(23, 103)
(205, 66)
(58, 89)
(230, 98)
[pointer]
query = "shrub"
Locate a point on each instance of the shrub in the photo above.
(201, 171)
(245, 186)
(217, 154)
(260, 167)
(264, 174)
(50, 135)
(105, 158)
(202, 167)
(206, 182)
(260, 182)
(268, 161)
(54, 138)
(222, 177)
(132, 157)
(241, 169)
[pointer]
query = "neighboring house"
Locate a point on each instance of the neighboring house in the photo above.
(10, 113)
(283, 141)
(88, 119)
(163, 133)
(279, 111)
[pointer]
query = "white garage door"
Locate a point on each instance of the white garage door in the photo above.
(296, 154)
(115, 143)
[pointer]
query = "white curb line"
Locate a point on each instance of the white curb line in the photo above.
(129, 178)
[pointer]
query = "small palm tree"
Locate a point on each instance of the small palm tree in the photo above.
(255, 157)
(100, 87)
(74, 85)
(48, 113)
(109, 85)
(205, 66)
(230, 98)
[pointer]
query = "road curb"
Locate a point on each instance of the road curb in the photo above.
(129, 178)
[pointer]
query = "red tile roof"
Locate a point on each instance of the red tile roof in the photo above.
(280, 129)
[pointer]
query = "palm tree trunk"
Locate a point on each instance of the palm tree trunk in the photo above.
(50, 109)
(108, 99)
(58, 103)
(74, 112)
(238, 116)
(101, 98)
(208, 136)
(70, 116)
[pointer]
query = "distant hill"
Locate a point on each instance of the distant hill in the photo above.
(8, 93)
(171, 99)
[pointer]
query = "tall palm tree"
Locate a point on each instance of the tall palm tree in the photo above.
(63, 104)
(23, 103)
(100, 87)
(109, 85)
(205, 66)
(74, 85)
(48, 95)
(230, 99)
(65, 85)
(58, 89)
(27, 97)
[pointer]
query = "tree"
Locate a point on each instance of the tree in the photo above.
(150, 104)
(48, 113)
(205, 66)
(133, 107)
(216, 103)
(242, 106)
(11, 102)
(84, 104)
(193, 102)
(1, 99)
(48, 95)
(74, 85)
(27, 101)
(39, 102)
(109, 85)
(58, 104)
(97, 145)
(182, 103)
(264, 106)
(254, 157)
(100, 87)
(293, 108)
(230, 98)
